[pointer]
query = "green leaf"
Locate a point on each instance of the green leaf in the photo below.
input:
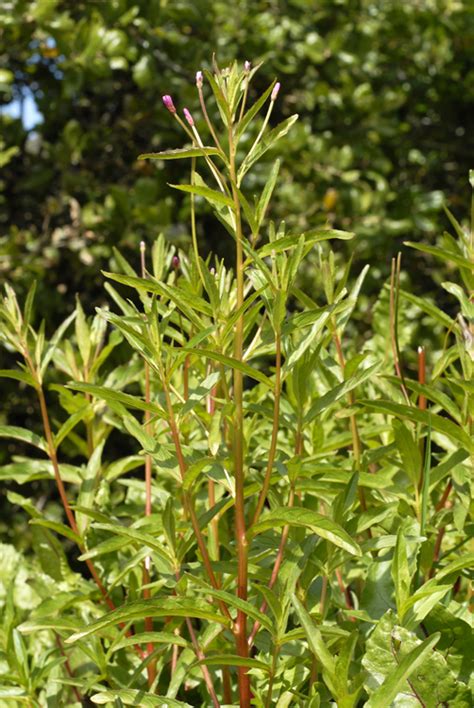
(16, 433)
(426, 306)
(62, 529)
(403, 670)
(400, 572)
(134, 697)
(392, 685)
(231, 363)
(141, 538)
(310, 239)
(253, 110)
(315, 640)
(211, 195)
(83, 334)
(268, 140)
(161, 607)
(232, 660)
(151, 638)
(339, 391)
(198, 393)
(442, 253)
(179, 153)
(89, 486)
(437, 422)
(409, 451)
(111, 396)
(22, 376)
(71, 423)
(266, 195)
(233, 601)
(317, 523)
(187, 303)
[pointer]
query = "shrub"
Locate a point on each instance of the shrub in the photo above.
(271, 535)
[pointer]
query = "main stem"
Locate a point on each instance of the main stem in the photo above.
(238, 445)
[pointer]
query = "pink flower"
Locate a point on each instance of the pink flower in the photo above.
(276, 88)
(199, 79)
(176, 262)
(188, 117)
(168, 101)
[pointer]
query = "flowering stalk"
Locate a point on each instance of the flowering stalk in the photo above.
(238, 441)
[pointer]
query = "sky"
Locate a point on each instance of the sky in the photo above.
(31, 116)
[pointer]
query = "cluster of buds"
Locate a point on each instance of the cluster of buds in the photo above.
(168, 101)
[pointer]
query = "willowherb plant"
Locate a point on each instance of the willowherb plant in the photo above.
(272, 538)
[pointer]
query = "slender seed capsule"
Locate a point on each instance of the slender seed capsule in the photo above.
(168, 101)
(276, 88)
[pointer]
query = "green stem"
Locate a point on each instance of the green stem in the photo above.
(187, 498)
(276, 420)
(238, 445)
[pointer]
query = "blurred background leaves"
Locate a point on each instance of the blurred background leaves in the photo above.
(384, 91)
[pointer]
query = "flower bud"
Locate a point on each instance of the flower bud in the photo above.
(276, 88)
(188, 117)
(247, 66)
(199, 79)
(175, 262)
(168, 101)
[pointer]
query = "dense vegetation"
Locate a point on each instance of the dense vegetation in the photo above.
(252, 480)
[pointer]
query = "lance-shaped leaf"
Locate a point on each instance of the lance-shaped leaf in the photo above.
(316, 644)
(23, 376)
(310, 239)
(437, 422)
(179, 153)
(232, 660)
(211, 195)
(160, 607)
(140, 538)
(317, 523)
(17, 433)
(151, 638)
(265, 144)
(232, 601)
(232, 363)
(110, 396)
(335, 394)
(253, 110)
(396, 681)
(135, 697)
(443, 254)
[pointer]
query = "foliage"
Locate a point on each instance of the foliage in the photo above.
(383, 125)
(289, 523)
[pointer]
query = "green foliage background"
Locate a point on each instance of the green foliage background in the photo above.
(383, 89)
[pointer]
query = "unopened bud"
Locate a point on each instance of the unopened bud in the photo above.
(247, 66)
(142, 246)
(175, 262)
(199, 79)
(276, 88)
(188, 117)
(168, 101)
